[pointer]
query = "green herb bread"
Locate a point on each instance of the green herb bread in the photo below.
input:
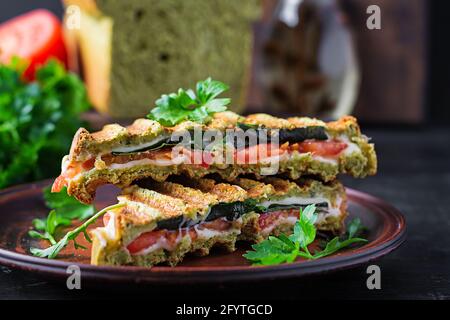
(132, 51)
(161, 222)
(94, 159)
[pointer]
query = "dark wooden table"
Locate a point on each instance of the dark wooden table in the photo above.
(414, 175)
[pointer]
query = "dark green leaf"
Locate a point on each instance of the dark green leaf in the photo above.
(66, 206)
(37, 120)
(65, 209)
(354, 227)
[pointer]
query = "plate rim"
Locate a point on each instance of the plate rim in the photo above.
(212, 274)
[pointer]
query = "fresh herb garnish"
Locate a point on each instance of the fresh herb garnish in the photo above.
(37, 120)
(281, 249)
(52, 252)
(196, 106)
(64, 210)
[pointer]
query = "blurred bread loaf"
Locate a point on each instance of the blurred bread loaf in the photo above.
(133, 51)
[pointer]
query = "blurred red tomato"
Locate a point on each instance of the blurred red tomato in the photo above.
(35, 36)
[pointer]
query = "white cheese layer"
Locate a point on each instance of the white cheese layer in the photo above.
(107, 233)
(351, 146)
(295, 200)
(330, 211)
(206, 233)
(141, 162)
(180, 158)
(279, 221)
(203, 234)
(160, 244)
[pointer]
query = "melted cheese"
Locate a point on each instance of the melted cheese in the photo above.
(279, 221)
(331, 211)
(296, 200)
(141, 162)
(203, 234)
(351, 146)
(160, 244)
(107, 233)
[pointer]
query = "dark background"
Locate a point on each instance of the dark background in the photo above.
(435, 98)
(9, 9)
(414, 175)
(438, 55)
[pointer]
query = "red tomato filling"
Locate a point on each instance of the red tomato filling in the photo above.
(271, 218)
(171, 237)
(148, 239)
(322, 148)
(35, 36)
(61, 181)
(327, 149)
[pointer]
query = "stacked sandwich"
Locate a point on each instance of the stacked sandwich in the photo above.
(173, 205)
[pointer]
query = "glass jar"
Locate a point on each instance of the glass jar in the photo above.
(307, 62)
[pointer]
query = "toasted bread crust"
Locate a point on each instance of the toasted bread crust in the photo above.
(144, 208)
(87, 145)
(90, 145)
(357, 165)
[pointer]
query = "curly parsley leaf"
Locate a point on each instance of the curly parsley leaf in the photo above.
(37, 120)
(52, 251)
(354, 227)
(272, 251)
(65, 209)
(304, 229)
(336, 244)
(284, 249)
(67, 206)
(196, 106)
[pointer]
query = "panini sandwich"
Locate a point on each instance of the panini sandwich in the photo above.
(120, 155)
(161, 222)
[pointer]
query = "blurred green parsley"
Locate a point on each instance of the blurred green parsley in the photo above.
(37, 120)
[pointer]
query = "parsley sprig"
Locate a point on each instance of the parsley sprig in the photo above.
(196, 106)
(37, 120)
(281, 249)
(52, 251)
(65, 209)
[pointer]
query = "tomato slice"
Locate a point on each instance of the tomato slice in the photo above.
(35, 36)
(59, 183)
(268, 219)
(89, 164)
(218, 225)
(253, 154)
(148, 239)
(202, 158)
(68, 174)
(145, 240)
(322, 148)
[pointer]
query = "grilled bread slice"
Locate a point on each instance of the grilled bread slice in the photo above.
(120, 155)
(161, 222)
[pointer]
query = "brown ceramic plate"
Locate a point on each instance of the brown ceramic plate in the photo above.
(19, 205)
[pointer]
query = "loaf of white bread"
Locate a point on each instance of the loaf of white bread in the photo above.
(133, 51)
